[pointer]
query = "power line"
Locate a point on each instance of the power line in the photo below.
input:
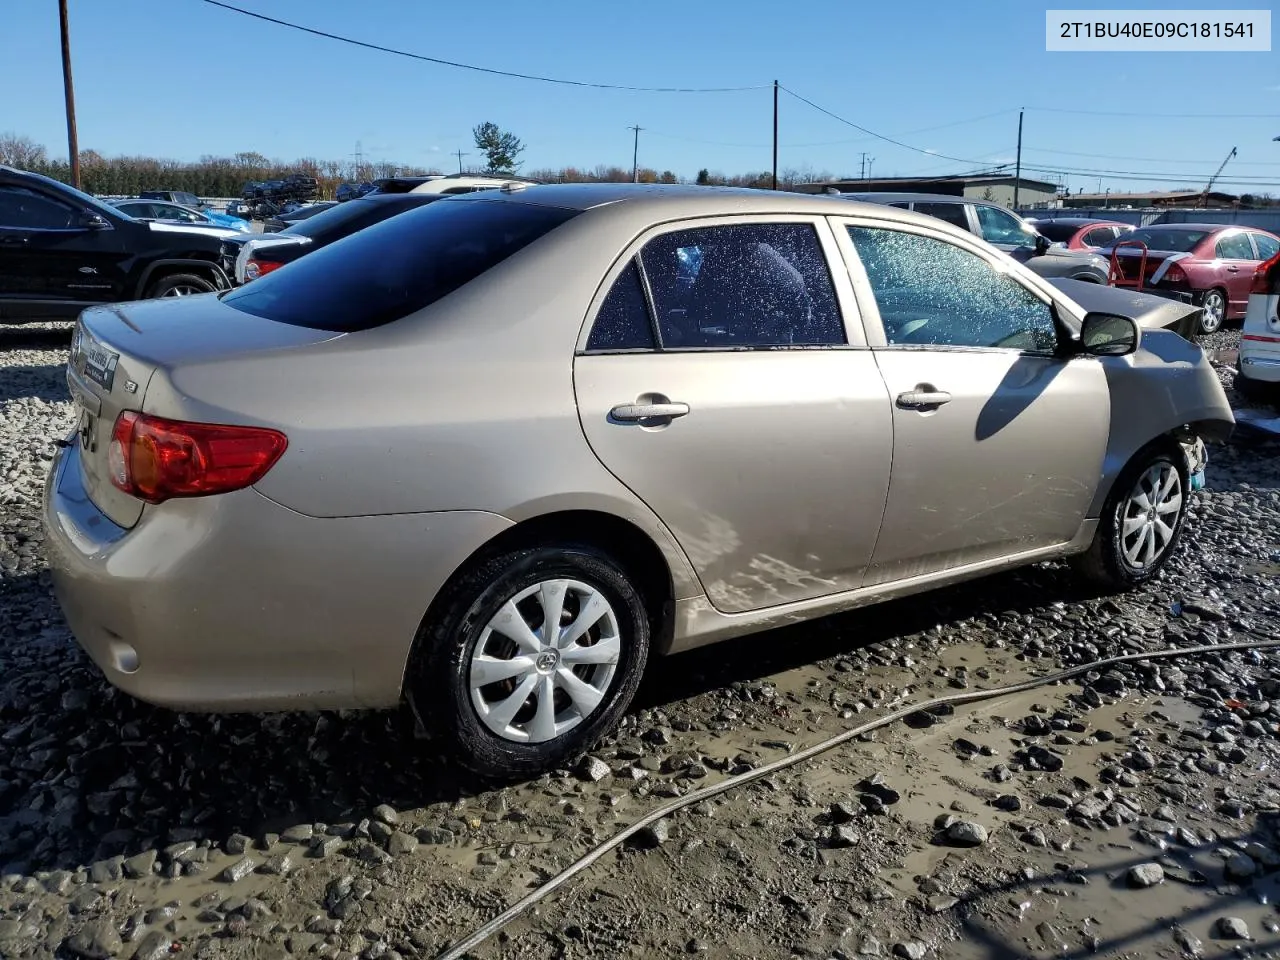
(1106, 156)
(870, 133)
(471, 66)
(1161, 116)
(823, 143)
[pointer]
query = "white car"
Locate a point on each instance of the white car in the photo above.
(1259, 364)
(448, 183)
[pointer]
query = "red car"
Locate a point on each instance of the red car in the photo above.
(1213, 262)
(1082, 233)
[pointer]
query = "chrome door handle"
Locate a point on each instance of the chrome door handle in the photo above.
(631, 412)
(918, 399)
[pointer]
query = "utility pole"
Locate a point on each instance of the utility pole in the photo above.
(635, 156)
(866, 165)
(775, 134)
(1017, 172)
(73, 145)
(459, 154)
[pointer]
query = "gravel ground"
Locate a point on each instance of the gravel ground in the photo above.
(1131, 814)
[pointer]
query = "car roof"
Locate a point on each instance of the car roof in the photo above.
(1211, 227)
(684, 200)
(887, 197)
(1079, 221)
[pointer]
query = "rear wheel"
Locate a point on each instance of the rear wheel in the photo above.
(1213, 312)
(179, 285)
(534, 656)
(1141, 522)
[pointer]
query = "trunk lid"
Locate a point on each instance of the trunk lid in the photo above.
(1129, 262)
(118, 349)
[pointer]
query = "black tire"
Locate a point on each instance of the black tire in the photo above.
(1105, 563)
(439, 673)
(1207, 325)
(170, 283)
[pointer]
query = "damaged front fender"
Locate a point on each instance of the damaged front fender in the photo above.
(1167, 388)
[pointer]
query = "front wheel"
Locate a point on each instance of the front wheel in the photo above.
(1141, 522)
(1213, 310)
(534, 656)
(180, 285)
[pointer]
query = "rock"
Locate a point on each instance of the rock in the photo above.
(1007, 801)
(966, 833)
(400, 843)
(11, 930)
(912, 950)
(1240, 866)
(1035, 837)
(869, 946)
(843, 836)
(653, 835)
(593, 769)
(1188, 942)
(1090, 808)
(1145, 875)
(322, 847)
(104, 871)
(153, 946)
(140, 865)
(98, 940)
(1232, 928)
(277, 865)
(385, 813)
(237, 844)
(302, 833)
(238, 870)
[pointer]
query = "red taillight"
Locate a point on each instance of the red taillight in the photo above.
(1175, 274)
(259, 268)
(154, 459)
(1264, 278)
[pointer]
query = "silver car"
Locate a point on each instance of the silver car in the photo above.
(492, 454)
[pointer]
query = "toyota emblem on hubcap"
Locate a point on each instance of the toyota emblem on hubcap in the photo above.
(547, 661)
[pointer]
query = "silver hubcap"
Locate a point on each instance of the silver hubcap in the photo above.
(1214, 310)
(1150, 515)
(182, 290)
(545, 661)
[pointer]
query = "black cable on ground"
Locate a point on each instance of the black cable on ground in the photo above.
(971, 696)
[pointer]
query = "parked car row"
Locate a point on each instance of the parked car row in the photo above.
(494, 453)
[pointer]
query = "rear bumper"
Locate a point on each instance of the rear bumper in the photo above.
(1257, 364)
(234, 602)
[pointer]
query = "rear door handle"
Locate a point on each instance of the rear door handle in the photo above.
(1233, 269)
(13, 240)
(920, 399)
(631, 412)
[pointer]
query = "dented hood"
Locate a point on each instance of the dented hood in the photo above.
(1147, 310)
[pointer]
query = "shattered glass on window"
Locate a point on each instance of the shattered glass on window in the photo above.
(623, 320)
(932, 292)
(743, 286)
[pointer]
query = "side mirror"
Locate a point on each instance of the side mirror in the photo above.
(1109, 335)
(1042, 244)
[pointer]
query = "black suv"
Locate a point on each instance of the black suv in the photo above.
(62, 250)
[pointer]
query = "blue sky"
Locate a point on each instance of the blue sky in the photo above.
(181, 78)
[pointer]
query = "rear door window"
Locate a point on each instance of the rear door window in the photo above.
(999, 227)
(953, 213)
(1099, 237)
(1235, 246)
(396, 267)
(742, 286)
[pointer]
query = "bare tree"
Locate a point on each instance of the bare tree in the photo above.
(21, 152)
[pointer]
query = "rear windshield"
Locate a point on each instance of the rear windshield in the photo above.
(1056, 231)
(396, 267)
(1174, 241)
(346, 218)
